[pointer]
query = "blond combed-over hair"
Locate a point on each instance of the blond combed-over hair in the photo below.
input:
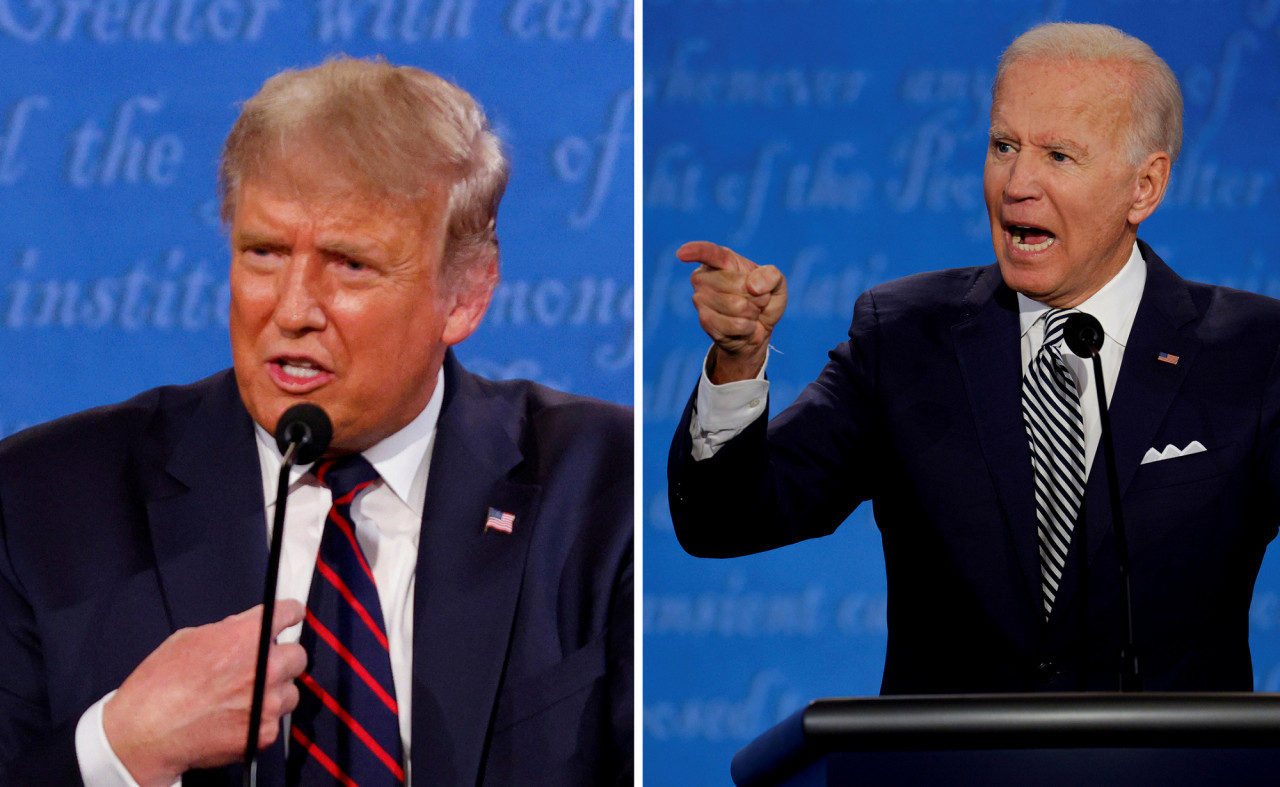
(401, 130)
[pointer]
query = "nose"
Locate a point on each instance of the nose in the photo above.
(298, 305)
(1023, 180)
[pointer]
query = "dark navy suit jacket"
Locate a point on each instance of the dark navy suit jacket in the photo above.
(122, 524)
(920, 413)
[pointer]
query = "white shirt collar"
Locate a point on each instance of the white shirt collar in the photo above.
(400, 459)
(1115, 305)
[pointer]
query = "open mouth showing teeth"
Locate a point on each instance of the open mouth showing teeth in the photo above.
(294, 370)
(1031, 238)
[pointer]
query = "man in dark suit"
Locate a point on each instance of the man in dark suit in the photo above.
(999, 543)
(495, 531)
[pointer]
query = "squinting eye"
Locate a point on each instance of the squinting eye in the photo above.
(1060, 157)
(1003, 147)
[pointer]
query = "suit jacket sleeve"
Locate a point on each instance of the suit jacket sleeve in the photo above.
(89, 585)
(621, 670)
(32, 752)
(796, 477)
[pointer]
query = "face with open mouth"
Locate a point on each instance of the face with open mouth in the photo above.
(337, 299)
(1063, 198)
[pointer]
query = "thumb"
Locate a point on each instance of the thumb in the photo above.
(288, 612)
(765, 280)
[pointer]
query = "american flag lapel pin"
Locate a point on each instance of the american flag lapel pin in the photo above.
(500, 520)
(1168, 358)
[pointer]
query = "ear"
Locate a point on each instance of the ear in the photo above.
(1149, 188)
(469, 303)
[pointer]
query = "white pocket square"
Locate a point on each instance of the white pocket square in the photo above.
(1171, 451)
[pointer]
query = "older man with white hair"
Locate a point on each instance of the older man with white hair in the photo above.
(955, 408)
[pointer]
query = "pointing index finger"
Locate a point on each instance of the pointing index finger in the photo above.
(714, 256)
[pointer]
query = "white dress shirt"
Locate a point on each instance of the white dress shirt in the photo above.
(721, 412)
(388, 519)
(1115, 306)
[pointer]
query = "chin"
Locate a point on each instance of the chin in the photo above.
(271, 413)
(1015, 278)
(1025, 284)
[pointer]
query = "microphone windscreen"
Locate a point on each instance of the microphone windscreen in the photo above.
(1083, 333)
(307, 425)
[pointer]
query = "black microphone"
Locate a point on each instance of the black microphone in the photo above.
(1083, 334)
(307, 425)
(303, 434)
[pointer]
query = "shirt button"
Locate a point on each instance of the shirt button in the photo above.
(754, 403)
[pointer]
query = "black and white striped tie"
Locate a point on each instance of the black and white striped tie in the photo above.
(1055, 432)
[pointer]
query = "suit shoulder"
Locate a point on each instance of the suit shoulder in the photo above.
(1230, 306)
(99, 431)
(1235, 322)
(933, 294)
(555, 417)
(566, 438)
(949, 284)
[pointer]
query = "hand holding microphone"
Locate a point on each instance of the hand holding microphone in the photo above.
(187, 704)
(201, 699)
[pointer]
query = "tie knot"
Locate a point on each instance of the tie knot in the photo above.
(1054, 321)
(346, 474)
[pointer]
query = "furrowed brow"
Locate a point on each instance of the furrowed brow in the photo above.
(340, 247)
(1062, 145)
(251, 238)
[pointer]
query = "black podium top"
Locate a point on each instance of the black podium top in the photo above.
(1009, 721)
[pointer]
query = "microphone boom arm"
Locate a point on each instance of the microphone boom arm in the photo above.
(303, 434)
(268, 614)
(1084, 334)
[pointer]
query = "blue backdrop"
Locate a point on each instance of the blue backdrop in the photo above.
(113, 265)
(844, 141)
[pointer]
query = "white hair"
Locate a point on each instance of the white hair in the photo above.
(1156, 100)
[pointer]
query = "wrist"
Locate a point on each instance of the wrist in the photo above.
(725, 367)
(134, 747)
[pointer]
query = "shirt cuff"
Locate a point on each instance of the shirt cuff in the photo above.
(722, 412)
(99, 765)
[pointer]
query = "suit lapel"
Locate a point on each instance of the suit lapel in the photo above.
(207, 523)
(1146, 386)
(206, 513)
(467, 582)
(991, 365)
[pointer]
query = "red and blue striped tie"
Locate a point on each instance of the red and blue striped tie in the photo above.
(345, 728)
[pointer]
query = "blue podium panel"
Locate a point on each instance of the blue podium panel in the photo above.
(843, 141)
(113, 266)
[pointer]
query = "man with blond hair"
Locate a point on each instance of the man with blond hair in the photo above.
(455, 596)
(955, 408)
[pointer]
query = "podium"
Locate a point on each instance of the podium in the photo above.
(1094, 740)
